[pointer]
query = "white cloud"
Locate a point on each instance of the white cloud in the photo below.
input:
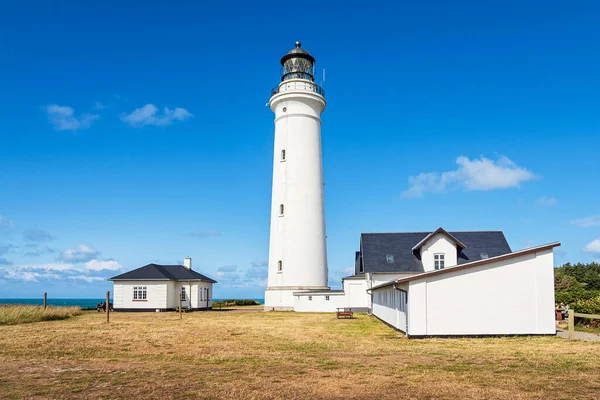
(150, 115)
(89, 279)
(593, 247)
(97, 265)
(587, 221)
(37, 235)
(476, 174)
(6, 224)
(99, 106)
(80, 253)
(227, 268)
(546, 201)
(60, 271)
(29, 276)
(63, 118)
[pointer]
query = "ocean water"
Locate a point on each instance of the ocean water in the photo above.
(83, 303)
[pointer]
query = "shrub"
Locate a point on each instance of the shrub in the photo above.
(587, 306)
(572, 297)
(226, 303)
(23, 314)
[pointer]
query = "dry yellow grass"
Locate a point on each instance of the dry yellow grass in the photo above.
(23, 314)
(284, 355)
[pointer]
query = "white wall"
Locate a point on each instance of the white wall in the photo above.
(355, 293)
(389, 305)
(156, 295)
(319, 303)
(195, 295)
(297, 237)
(438, 243)
(513, 296)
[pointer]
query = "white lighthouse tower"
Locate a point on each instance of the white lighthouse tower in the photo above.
(297, 250)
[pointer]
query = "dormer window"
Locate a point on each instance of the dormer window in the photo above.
(389, 258)
(439, 261)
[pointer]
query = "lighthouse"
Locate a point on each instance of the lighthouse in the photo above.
(297, 249)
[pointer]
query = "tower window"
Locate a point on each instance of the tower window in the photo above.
(282, 155)
(438, 261)
(281, 209)
(279, 266)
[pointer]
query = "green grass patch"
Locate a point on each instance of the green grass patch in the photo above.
(23, 314)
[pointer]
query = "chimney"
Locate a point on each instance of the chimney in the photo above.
(187, 262)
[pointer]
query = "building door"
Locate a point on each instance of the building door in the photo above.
(184, 294)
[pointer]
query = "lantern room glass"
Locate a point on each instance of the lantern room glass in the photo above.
(298, 68)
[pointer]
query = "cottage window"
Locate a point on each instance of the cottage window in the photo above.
(281, 209)
(139, 293)
(279, 266)
(439, 261)
(282, 155)
(327, 298)
(182, 294)
(309, 298)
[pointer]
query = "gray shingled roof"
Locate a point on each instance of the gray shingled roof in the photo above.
(155, 272)
(376, 246)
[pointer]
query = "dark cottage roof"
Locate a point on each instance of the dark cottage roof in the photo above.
(375, 247)
(155, 272)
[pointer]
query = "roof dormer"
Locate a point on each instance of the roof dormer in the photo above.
(438, 250)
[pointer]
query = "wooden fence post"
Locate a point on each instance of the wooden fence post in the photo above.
(180, 306)
(45, 300)
(107, 305)
(571, 324)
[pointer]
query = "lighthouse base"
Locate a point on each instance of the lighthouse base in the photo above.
(283, 299)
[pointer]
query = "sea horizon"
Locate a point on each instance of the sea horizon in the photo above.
(83, 302)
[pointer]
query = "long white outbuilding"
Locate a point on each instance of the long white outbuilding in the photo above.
(510, 294)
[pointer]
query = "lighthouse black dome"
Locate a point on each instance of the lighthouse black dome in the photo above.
(298, 64)
(297, 52)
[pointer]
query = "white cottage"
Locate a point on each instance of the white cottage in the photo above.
(497, 294)
(156, 287)
(447, 284)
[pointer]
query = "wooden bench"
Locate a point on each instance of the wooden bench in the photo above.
(344, 313)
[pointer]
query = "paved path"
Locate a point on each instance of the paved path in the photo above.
(578, 335)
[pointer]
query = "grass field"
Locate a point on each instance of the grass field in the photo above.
(23, 314)
(285, 355)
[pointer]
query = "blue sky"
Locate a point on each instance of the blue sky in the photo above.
(137, 132)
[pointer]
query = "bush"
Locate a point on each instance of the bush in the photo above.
(226, 303)
(587, 306)
(571, 297)
(23, 314)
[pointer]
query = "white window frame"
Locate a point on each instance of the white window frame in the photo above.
(140, 293)
(326, 298)
(182, 294)
(439, 261)
(279, 266)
